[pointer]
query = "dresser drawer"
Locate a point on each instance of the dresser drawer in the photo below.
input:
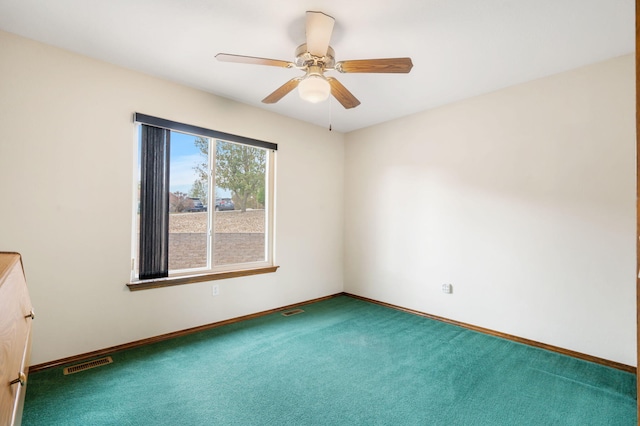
(15, 337)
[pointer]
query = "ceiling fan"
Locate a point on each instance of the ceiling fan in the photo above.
(315, 57)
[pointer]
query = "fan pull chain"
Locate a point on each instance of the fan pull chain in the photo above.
(330, 112)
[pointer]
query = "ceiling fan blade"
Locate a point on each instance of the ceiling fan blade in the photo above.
(319, 28)
(281, 91)
(226, 57)
(388, 65)
(341, 93)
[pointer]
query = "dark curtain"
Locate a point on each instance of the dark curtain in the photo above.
(154, 203)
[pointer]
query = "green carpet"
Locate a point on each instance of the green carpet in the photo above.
(342, 362)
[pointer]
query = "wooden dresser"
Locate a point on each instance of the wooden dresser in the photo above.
(16, 314)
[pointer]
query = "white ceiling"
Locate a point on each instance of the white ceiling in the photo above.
(460, 48)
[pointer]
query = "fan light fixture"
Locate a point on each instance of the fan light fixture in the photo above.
(315, 88)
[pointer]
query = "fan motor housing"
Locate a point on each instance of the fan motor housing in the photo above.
(304, 58)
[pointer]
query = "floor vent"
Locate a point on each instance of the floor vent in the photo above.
(292, 312)
(87, 365)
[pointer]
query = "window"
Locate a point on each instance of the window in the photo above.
(204, 204)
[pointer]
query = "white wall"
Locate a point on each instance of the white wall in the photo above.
(523, 199)
(66, 173)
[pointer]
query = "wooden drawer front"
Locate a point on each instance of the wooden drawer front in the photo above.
(15, 331)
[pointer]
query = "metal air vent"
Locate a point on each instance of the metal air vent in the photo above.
(87, 365)
(292, 312)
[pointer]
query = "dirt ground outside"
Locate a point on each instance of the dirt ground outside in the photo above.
(233, 221)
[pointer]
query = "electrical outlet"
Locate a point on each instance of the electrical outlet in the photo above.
(447, 288)
(215, 290)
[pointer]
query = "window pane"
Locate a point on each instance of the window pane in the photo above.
(240, 204)
(188, 186)
(232, 200)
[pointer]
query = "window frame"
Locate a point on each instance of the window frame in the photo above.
(211, 272)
